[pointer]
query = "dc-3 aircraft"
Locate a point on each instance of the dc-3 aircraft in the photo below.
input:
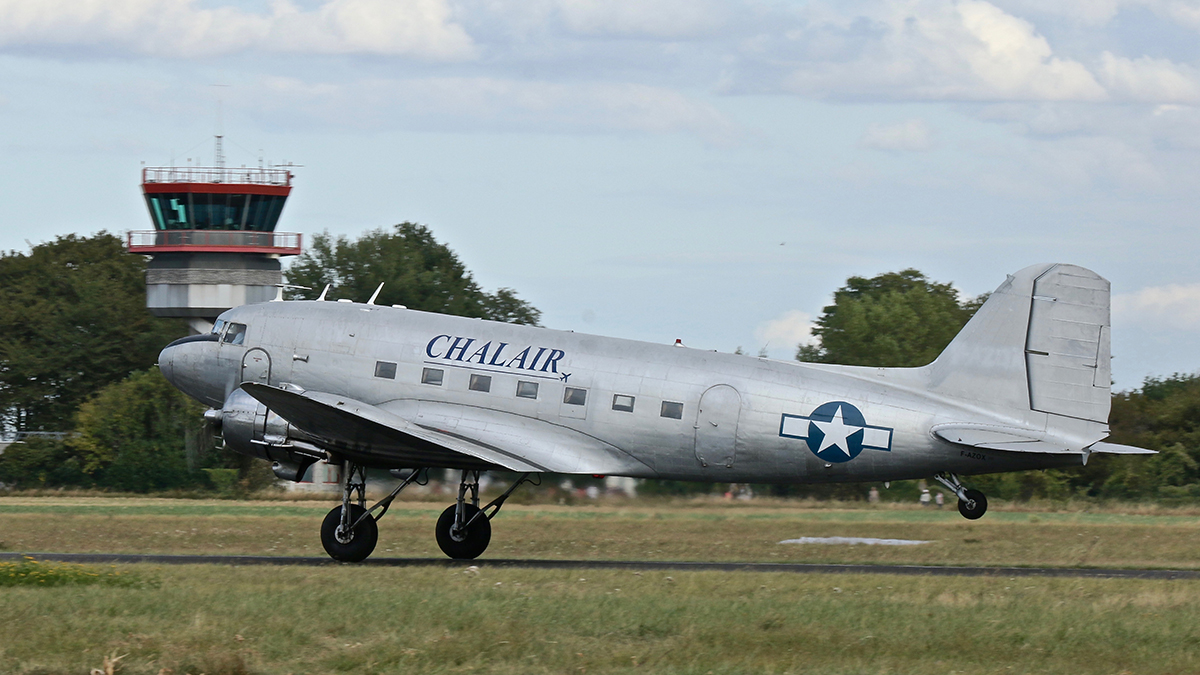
(1025, 385)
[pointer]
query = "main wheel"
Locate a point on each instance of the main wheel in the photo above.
(362, 538)
(974, 506)
(469, 543)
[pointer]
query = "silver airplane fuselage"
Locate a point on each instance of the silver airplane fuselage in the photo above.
(674, 412)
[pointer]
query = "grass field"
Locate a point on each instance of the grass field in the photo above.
(231, 621)
(668, 531)
(216, 620)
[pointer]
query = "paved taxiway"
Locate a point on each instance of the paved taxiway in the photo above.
(799, 568)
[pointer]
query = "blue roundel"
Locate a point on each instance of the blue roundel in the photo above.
(835, 431)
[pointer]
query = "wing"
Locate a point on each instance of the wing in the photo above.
(423, 433)
(995, 437)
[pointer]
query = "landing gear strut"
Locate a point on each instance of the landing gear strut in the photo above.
(464, 530)
(972, 504)
(349, 532)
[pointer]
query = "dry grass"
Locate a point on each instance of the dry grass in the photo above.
(233, 621)
(439, 494)
(354, 619)
(720, 532)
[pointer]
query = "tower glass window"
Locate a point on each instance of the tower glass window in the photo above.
(214, 211)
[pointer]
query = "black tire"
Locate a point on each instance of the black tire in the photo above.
(366, 535)
(975, 505)
(468, 545)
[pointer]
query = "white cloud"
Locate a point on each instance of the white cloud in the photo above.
(1185, 12)
(180, 29)
(494, 103)
(787, 331)
(966, 50)
(1086, 12)
(941, 50)
(911, 135)
(1149, 80)
(670, 19)
(1170, 306)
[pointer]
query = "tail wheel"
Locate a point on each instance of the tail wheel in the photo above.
(354, 546)
(974, 506)
(468, 542)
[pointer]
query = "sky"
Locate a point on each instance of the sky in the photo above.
(652, 169)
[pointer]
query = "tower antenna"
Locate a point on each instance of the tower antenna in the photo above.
(219, 146)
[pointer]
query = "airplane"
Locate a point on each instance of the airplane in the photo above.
(1024, 385)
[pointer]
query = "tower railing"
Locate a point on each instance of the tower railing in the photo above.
(214, 174)
(150, 242)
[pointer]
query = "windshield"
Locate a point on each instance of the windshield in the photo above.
(236, 334)
(218, 326)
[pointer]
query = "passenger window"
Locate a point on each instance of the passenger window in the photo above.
(672, 410)
(481, 382)
(236, 334)
(432, 376)
(527, 389)
(385, 369)
(573, 396)
(623, 403)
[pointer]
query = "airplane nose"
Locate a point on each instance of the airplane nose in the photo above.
(191, 365)
(172, 360)
(166, 363)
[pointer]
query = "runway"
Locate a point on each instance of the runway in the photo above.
(636, 565)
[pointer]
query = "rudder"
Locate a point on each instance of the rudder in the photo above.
(1040, 344)
(1067, 353)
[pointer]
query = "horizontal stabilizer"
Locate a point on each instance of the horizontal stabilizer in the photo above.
(1118, 449)
(989, 437)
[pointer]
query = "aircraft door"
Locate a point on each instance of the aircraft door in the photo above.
(256, 366)
(716, 426)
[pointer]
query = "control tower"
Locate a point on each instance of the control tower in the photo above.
(214, 244)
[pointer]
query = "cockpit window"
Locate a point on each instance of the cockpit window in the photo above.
(236, 334)
(218, 326)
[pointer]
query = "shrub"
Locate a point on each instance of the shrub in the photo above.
(32, 572)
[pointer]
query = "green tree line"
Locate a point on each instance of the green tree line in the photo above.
(77, 354)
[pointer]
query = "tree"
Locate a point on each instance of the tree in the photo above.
(141, 434)
(896, 319)
(416, 270)
(72, 319)
(1163, 415)
(41, 462)
(137, 435)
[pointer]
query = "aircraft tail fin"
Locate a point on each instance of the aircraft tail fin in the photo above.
(1040, 344)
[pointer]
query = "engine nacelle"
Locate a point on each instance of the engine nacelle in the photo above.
(250, 428)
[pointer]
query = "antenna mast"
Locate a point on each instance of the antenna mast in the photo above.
(219, 145)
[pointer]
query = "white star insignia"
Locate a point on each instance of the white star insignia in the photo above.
(835, 433)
